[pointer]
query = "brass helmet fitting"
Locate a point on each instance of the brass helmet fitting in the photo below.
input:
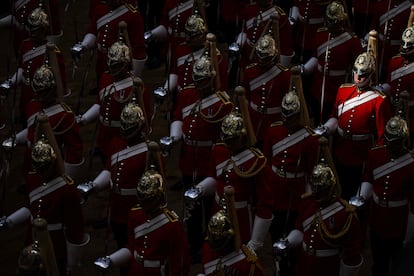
(195, 25)
(38, 19)
(266, 49)
(407, 42)
(335, 13)
(203, 69)
(233, 126)
(364, 65)
(396, 129)
(150, 185)
(131, 116)
(43, 154)
(323, 182)
(43, 79)
(290, 104)
(220, 230)
(31, 262)
(118, 53)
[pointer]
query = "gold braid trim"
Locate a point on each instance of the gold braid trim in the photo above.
(209, 119)
(324, 231)
(253, 170)
(64, 130)
(219, 269)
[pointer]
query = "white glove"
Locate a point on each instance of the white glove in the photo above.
(260, 229)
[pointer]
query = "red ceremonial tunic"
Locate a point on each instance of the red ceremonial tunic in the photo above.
(362, 117)
(265, 89)
(201, 127)
(321, 255)
(393, 185)
(104, 25)
(158, 245)
(292, 157)
(245, 172)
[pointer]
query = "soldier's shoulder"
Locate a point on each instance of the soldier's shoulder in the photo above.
(171, 215)
(131, 7)
(282, 67)
(68, 179)
(252, 65)
(280, 10)
(223, 96)
(257, 152)
(347, 85)
(379, 92)
(66, 107)
(136, 207)
(276, 124)
(322, 29)
(376, 148)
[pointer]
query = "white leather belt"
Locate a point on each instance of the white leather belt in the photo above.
(147, 263)
(320, 252)
(354, 137)
(109, 123)
(198, 143)
(266, 110)
(390, 204)
(54, 226)
(286, 174)
(237, 204)
(332, 73)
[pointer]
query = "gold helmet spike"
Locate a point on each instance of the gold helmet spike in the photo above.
(290, 104)
(233, 126)
(118, 53)
(43, 154)
(220, 230)
(132, 116)
(38, 18)
(396, 129)
(43, 79)
(150, 185)
(335, 13)
(195, 25)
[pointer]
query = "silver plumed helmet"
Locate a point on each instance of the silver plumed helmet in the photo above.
(43, 79)
(38, 18)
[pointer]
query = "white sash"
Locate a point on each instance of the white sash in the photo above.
(196, 55)
(205, 103)
(128, 152)
(111, 16)
(325, 213)
(228, 260)
(123, 84)
(356, 101)
(50, 111)
(390, 167)
(402, 71)
(46, 189)
(333, 43)
(150, 226)
(241, 158)
(179, 9)
(20, 3)
(394, 12)
(289, 141)
(264, 16)
(41, 50)
(264, 78)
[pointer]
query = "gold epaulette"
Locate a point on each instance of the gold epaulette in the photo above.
(136, 207)
(223, 97)
(192, 86)
(66, 107)
(348, 207)
(282, 67)
(279, 10)
(131, 8)
(171, 215)
(257, 152)
(379, 92)
(347, 85)
(310, 130)
(322, 29)
(397, 56)
(378, 147)
(68, 179)
(251, 65)
(277, 123)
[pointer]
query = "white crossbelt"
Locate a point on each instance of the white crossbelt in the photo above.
(150, 226)
(357, 101)
(263, 16)
(325, 213)
(195, 55)
(289, 141)
(402, 71)
(320, 252)
(128, 153)
(266, 110)
(264, 78)
(182, 7)
(286, 174)
(50, 111)
(394, 12)
(47, 188)
(227, 260)
(116, 86)
(205, 103)
(238, 159)
(333, 43)
(389, 203)
(111, 16)
(392, 166)
(41, 50)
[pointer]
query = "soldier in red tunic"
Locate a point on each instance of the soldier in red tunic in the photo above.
(388, 187)
(156, 238)
(222, 252)
(19, 19)
(196, 122)
(292, 150)
(103, 32)
(358, 120)
(33, 53)
(327, 233)
(117, 87)
(53, 196)
(334, 46)
(266, 82)
(128, 158)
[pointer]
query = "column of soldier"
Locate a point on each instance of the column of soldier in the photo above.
(302, 81)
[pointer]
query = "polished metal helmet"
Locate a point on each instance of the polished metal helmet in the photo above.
(290, 104)
(266, 49)
(43, 79)
(131, 116)
(195, 25)
(323, 182)
(233, 126)
(38, 18)
(407, 42)
(364, 65)
(150, 185)
(118, 53)
(335, 13)
(396, 129)
(203, 69)
(31, 262)
(43, 154)
(219, 230)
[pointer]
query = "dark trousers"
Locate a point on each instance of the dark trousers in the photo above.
(120, 232)
(383, 252)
